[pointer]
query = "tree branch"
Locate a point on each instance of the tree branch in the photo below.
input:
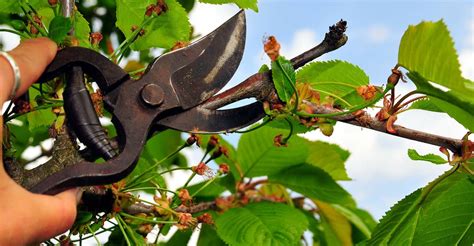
(369, 122)
(64, 153)
(260, 86)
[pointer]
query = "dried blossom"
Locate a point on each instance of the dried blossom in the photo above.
(272, 48)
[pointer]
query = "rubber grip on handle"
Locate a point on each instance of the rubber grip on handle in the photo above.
(82, 116)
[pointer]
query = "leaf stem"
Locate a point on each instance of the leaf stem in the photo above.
(146, 220)
(204, 186)
(285, 140)
(40, 29)
(7, 111)
(397, 104)
(408, 102)
(266, 121)
(291, 84)
(46, 106)
(127, 42)
(119, 223)
(151, 168)
(93, 234)
(175, 169)
(147, 188)
(194, 173)
(426, 191)
(335, 96)
(84, 238)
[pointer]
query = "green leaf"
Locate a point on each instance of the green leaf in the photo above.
(10, 7)
(284, 78)
(361, 219)
(210, 193)
(59, 28)
(23, 136)
(436, 159)
(157, 149)
(46, 15)
(282, 123)
(428, 49)
(336, 227)
(264, 68)
(456, 105)
(162, 32)
(276, 191)
(38, 4)
(262, 224)
(329, 157)
(337, 79)
(81, 30)
(314, 183)
(179, 238)
(440, 217)
(425, 104)
(14, 6)
(208, 236)
(187, 4)
(82, 217)
(244, 4)
(43, 118)
(161, 145)
(116, 238)
(258, 156)
(316, 228)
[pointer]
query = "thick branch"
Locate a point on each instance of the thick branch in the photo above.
(64, 153)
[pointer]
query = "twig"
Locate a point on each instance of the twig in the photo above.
(370, 122)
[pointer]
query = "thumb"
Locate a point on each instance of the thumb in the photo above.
(32, 56)
(55, 214)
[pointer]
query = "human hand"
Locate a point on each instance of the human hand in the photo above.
(26, 217)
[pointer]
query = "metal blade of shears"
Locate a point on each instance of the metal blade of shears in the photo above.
(202, 120)
(200, 70)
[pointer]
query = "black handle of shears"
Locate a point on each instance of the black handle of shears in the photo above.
(74, 62)
(81, 115)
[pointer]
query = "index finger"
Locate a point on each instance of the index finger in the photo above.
(32, 56)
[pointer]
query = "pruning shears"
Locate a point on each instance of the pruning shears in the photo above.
(170, 94)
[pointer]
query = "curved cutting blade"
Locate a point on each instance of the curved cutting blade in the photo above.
(200, 70)
(202, 120)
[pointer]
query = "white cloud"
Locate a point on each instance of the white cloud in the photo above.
(303, 40)
(207, 17)
(378, 33)
(466, 55)
(466, 58)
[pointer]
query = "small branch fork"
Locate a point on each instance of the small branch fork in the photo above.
(260, 86)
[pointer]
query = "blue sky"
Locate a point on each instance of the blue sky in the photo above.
(381, 171)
